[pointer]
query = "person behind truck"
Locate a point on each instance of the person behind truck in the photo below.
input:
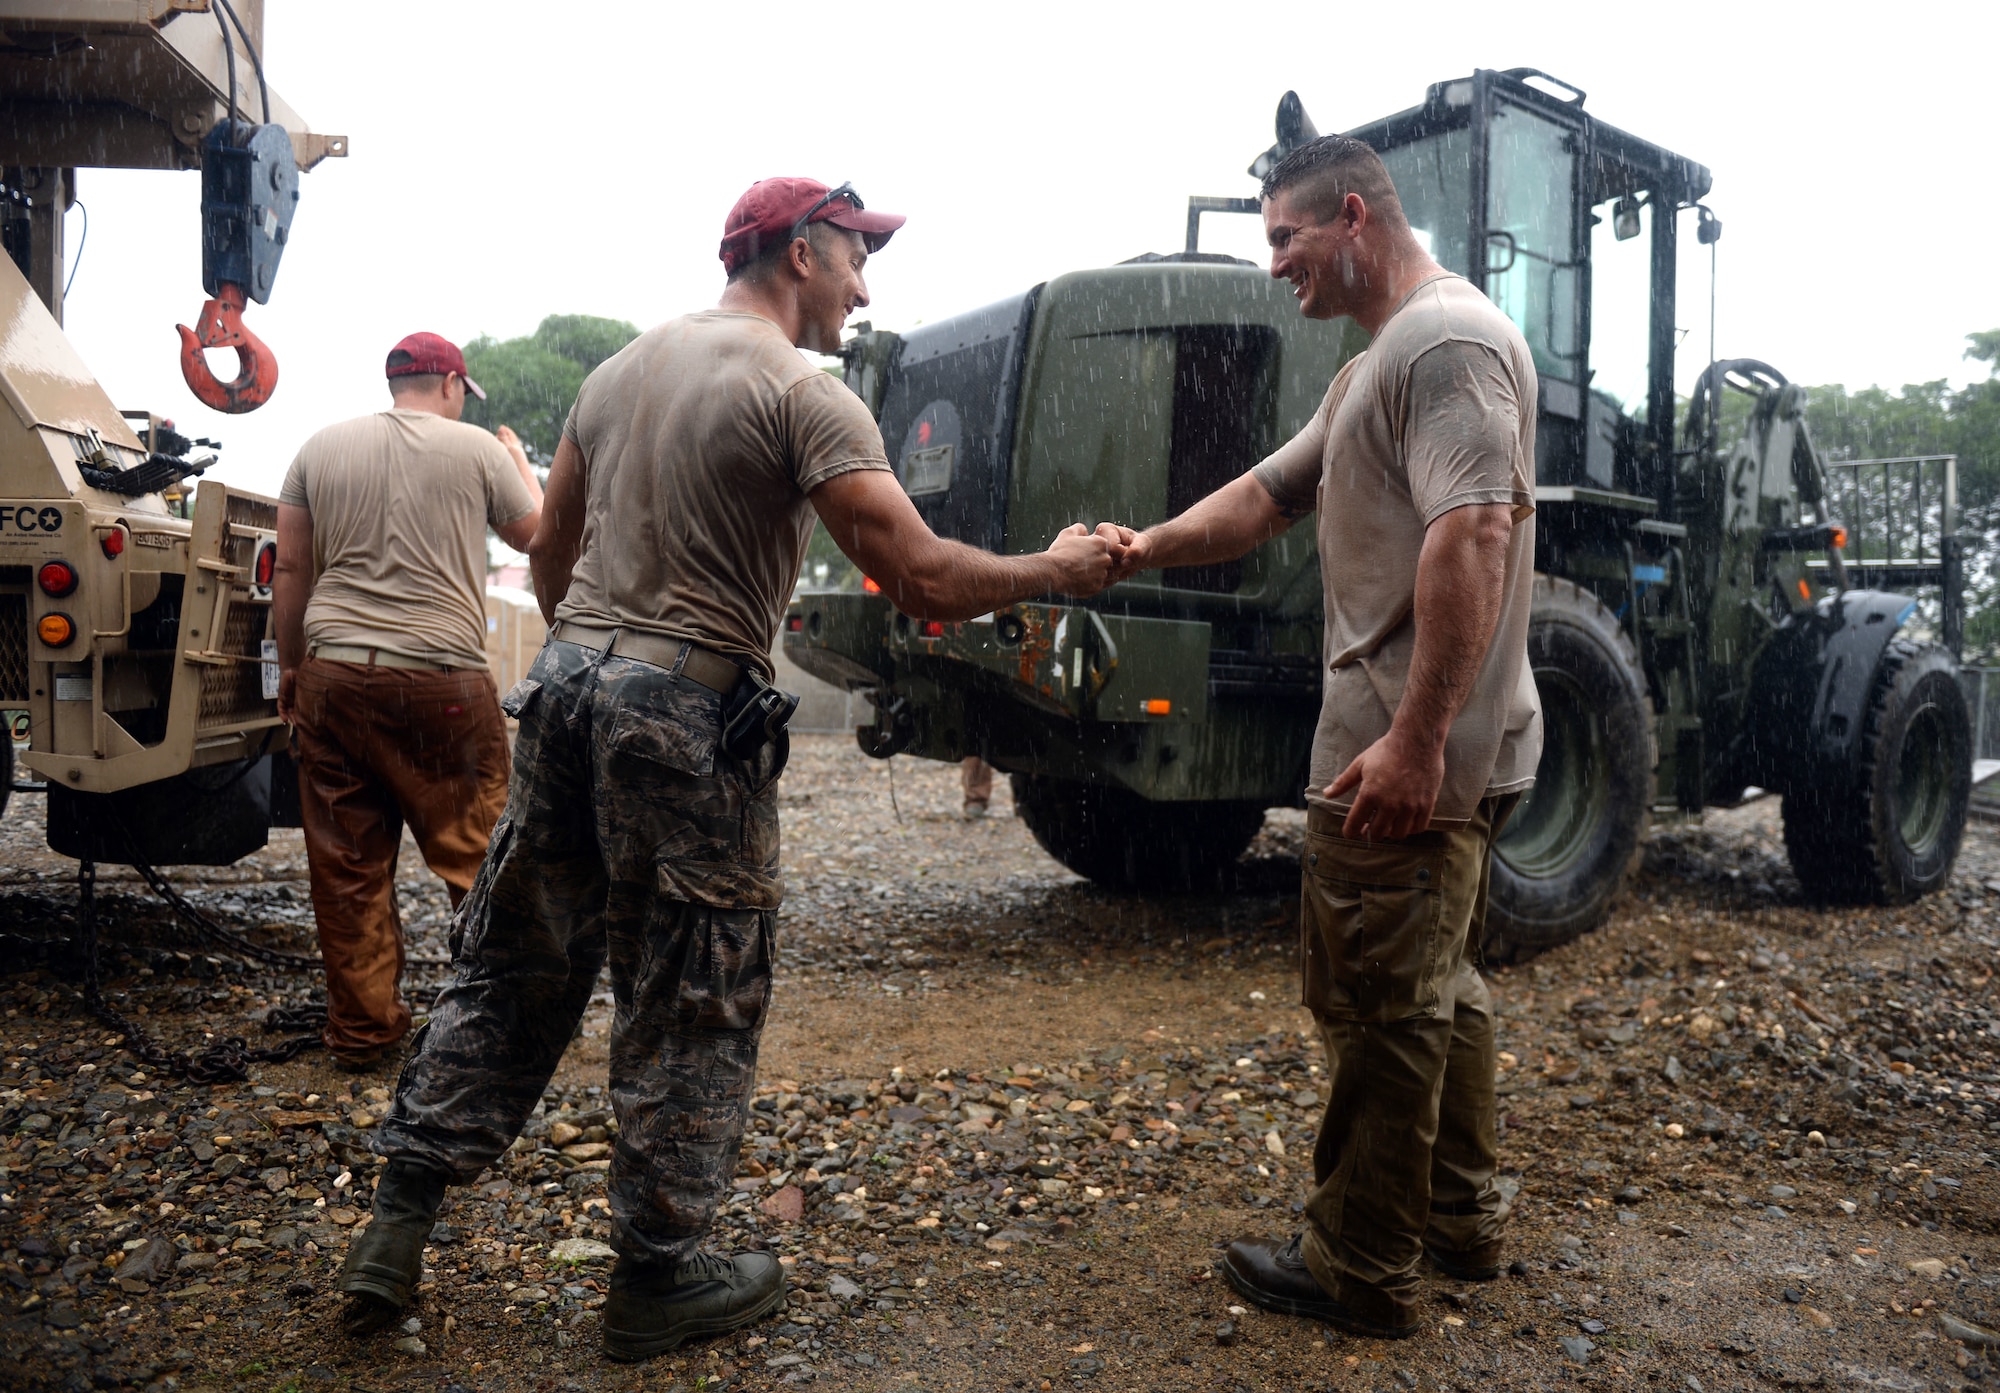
(1420, 463)
(380, 600)
(642, 821)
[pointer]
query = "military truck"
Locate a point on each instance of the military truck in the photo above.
(1702, 621)
(134, 597)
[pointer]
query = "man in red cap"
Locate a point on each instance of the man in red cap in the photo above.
(642, 820)
(380, 600)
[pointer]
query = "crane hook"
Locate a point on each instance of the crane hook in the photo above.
(222, 327)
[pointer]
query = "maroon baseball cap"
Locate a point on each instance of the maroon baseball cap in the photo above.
(421, 353)
(771, 208)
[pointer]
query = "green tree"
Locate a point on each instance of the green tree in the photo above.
(1985, 349)
(532, 382)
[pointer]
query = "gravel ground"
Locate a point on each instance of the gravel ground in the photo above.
(1006, 1120)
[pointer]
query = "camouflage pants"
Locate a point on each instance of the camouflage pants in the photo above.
(629, 835)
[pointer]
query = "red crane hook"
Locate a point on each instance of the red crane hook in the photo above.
(222, 327)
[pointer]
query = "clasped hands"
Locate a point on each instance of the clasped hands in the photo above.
(1087, 561)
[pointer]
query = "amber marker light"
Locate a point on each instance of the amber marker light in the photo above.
(1158, 706)
(1839, 539)
(55, 630)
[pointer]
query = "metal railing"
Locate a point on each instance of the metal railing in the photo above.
(1982, 696)
(1898, 512)
(1901, 517)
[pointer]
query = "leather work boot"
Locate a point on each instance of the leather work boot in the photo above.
(387, 1259)
(653, 1308)
(1272, 1273)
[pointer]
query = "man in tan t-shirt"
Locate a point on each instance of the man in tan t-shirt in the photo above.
(642, 822)
(1420, 464)
(380, 597)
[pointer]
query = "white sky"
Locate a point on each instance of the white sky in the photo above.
(514, 160)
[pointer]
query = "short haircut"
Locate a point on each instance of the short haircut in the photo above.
(1323, 172)
(421, 383)
(819, 236)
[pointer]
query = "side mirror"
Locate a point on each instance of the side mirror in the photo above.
(1625, 219)
(1708, 230)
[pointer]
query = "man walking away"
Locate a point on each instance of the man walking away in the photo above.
(380, 599)
(642, 820)
(1420, 463)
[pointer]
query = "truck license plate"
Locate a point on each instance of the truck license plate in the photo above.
(270, 666)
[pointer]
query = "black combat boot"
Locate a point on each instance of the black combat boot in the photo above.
(654, 1307)
(387, 1259)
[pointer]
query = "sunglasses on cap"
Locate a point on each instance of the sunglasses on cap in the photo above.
(845, 191)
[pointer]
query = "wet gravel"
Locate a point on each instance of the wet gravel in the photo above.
(1005, 1120)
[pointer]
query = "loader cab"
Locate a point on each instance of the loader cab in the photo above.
(1568, 224)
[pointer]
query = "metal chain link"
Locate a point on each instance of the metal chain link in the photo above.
(229, 1059)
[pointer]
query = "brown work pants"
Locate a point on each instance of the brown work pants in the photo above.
(975, 776)
(1407, 1151)
(378, 747)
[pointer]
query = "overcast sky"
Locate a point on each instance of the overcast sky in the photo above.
(516, 160)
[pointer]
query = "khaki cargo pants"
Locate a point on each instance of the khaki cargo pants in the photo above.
(1389, 961)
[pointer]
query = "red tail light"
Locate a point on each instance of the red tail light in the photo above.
(797, 623)
(932, 628)
(869, 587)
(267, 563)
(113, 543)
(56, 578)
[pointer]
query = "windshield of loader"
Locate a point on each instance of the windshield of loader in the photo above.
(1532, 269)
(1433, 179)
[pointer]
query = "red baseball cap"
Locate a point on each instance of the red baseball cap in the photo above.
(771, 208)
(421, 353)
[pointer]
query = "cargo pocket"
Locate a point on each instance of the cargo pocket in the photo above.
(664, 796)
(518, 696)
(1369, 928)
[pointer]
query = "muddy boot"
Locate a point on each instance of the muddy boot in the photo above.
(387, 1259)
(653, 1308)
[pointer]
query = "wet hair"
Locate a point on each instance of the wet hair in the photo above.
(819, 236)
(1323, 172)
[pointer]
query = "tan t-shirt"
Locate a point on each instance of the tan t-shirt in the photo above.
(1438, 414)
(700, 440)
(400, 503)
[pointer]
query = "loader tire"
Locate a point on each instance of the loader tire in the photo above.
(1125, 842)
(1892, 832)
(1563, 855)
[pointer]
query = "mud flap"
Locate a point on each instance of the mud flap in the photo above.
(206, 817)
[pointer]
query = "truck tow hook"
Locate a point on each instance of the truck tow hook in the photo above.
(221, 324)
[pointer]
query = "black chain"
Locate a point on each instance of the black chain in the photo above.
(229, 1059)
(195, 918)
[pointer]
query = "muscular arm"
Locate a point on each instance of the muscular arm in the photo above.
(872, 520)
(553, 549)
(1460, 575)
(1223, 526)
(291, 592)
(518, 533)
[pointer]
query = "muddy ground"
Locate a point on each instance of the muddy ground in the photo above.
(1005, 1121)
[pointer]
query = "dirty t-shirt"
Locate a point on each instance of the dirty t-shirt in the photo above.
(400, 503)
(700, 441)
(1437, 414)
